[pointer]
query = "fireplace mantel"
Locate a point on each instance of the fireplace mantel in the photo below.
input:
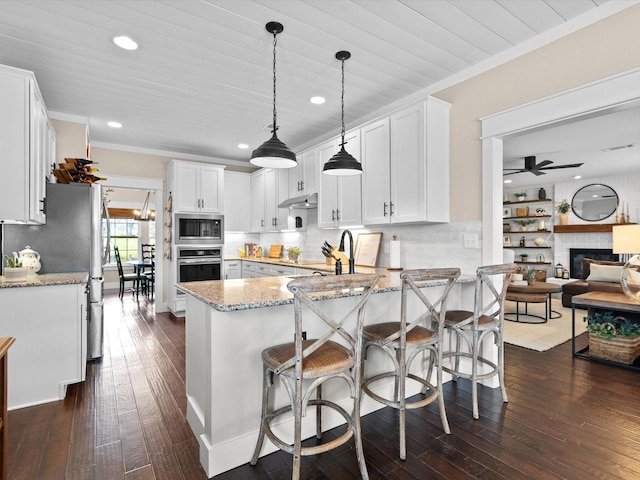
(585, 228)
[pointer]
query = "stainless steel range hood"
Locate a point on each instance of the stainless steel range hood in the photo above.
(304, 201)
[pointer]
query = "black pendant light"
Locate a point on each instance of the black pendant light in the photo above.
(342, 163)
(273, 153)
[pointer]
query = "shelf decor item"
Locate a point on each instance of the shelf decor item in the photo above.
(563, 208)
(521, 197)
(613, 338)
(14, 271)
(522, 211)
(542, 194)
(524, 224)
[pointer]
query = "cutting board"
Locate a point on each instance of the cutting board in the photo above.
(275, 251)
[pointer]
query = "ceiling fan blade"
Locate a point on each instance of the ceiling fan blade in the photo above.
(571, 165)
(537, 172)
(543, 163)
(512, 173)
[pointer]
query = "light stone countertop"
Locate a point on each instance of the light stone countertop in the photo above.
(249, 293)
(307, 264)
(47, 279)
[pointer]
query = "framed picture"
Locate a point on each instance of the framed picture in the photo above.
(506, 240)
(367, 246)
(506, 212)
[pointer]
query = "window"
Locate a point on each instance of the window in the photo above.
(125, 234)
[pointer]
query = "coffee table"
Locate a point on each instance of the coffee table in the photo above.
(616, 302)
(537, 293)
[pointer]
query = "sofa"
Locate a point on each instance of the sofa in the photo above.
(597, 275)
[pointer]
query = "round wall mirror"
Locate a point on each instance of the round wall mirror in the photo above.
(594, 202)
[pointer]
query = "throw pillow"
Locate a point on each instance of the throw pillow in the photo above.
(604, 273)
(587, 262)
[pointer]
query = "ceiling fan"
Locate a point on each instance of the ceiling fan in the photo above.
(531, 166)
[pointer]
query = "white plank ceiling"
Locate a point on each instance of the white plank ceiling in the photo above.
(201, 81)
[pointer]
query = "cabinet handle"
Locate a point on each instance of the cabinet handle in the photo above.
(337, 214)
(301, 185)
(333, 215)
(202, 203)
(384, 209)
(262, 222)
(44, 205)
(390, 209)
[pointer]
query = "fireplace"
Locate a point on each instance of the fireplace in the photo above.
(577, 254)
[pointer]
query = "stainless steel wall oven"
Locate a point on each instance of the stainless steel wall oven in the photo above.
(197, 264)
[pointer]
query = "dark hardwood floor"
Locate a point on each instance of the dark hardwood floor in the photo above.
(566, 418)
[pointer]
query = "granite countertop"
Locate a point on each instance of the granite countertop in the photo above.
(47, 279)
(249, 293)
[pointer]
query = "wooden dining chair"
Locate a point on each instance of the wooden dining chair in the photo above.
(304, 366)
(403, 341)
(125, 277)
(471, 329)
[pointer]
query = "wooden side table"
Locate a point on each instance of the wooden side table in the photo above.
(616, 302)
(5, 343)
(537, 293)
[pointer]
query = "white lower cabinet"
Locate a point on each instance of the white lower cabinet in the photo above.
(232, 269)
(339, 198)
(49, 324)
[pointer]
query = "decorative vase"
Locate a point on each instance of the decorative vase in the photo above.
(539, 241)
(564, 218)
(531, 277)
(520, 199)
(542, 194)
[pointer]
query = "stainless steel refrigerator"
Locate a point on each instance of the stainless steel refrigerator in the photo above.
(70, 241)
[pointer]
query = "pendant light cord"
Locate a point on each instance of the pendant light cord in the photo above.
(275, 41)
(342, 104)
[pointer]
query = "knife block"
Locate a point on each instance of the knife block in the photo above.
(343, 258)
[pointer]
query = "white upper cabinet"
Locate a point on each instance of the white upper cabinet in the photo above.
(237, 201)
(339, 198)
(269, 187)
(27, 143)
(302, 178)
(405, 159)
(196, 187)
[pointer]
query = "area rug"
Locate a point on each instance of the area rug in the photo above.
(543, 336)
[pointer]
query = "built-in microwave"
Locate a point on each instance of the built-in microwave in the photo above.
(197, 228)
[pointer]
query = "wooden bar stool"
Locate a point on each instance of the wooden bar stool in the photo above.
(404, 340)
(316, 361)
(473, 328)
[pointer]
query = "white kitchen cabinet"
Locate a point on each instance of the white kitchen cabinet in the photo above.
(232, 269)
(405, 161)
(27, 143)
(339, 198)
(269, 187)
(196, 187)
(302, 177)
(237, 202)
(262, 269)
(49, 324)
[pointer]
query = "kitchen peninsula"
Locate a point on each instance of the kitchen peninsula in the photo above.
(46, 314)
(230, 322)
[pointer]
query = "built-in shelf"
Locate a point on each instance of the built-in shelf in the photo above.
(532, 263)
(526, 231)
(586, 228)
(537, 200)
(516, 246)
(528, 216)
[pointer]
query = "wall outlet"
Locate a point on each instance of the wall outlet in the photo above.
(470, 240)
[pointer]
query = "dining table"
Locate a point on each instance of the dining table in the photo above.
(139, 267)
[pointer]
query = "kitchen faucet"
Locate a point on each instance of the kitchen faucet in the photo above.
(352, 268)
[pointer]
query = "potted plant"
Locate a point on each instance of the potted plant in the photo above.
(563, 208)
(293, 253)
(524, 256)
(614, 338)
(521, 196)
(525, 223)
(14, 271)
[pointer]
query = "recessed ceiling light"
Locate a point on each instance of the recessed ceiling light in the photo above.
(508, 181)
(243, 145)
(317, 100)
(114, 124)
(127, 43)
(577, 177)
